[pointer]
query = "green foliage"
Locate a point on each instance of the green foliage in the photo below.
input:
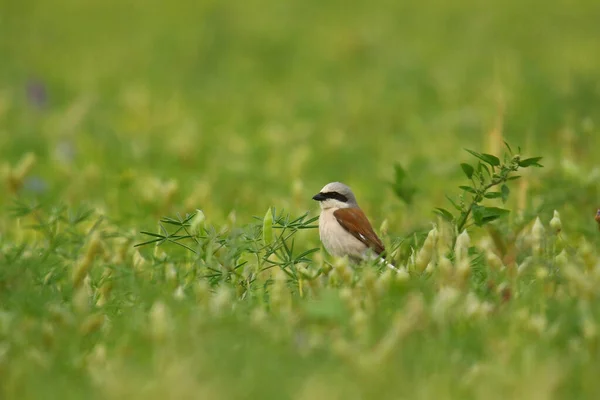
(270, 242)
(402, 185)
(487, 174)
(213, 112)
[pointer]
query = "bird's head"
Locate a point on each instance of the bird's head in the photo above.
(336, 195)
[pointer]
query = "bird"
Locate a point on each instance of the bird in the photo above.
(344, 229)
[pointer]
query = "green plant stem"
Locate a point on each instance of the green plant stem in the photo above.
(476, 200)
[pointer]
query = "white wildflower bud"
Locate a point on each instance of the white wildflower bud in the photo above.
(340, 263)
(485, 308)
(360, 322)
(170, 273)
(555, 223)
(384, 281)
(159, 253)
(537, 324)
(342, 269)
(430, 268)
(48, 277)
(402, 276)
(562, 258)
(472, 305)
(318, 260)
(83, 265)
(138, 260)
(461, 248)
(538, 230)
(493, 260)
(101, 302)
(537, 236)
(346, 294)
(463, 270)
(369, 278)
(578, 280)
(87, 285)
(179, 293)
(426, 253)
(444, 238)
(443, 302)
(431, 239)
(258, 317)
(160, 323)
(541, 273)
(524, 266)
(197, 223)
(221, 300)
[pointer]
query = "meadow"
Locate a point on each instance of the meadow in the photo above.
(157, 233)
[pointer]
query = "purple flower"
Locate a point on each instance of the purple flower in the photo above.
(36, 93)
(35, 184)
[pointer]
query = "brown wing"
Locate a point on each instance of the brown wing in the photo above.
(354, 221)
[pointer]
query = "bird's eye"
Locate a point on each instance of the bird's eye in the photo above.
(336, 196)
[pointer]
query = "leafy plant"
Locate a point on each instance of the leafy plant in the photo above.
(488, 179)
(270, 241)
(402, 185)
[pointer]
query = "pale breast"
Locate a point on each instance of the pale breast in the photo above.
(336, 240)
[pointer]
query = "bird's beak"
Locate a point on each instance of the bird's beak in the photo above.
(319, 197)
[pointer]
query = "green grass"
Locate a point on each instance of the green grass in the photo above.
(133, 111)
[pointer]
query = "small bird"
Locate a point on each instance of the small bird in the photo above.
(343, 227)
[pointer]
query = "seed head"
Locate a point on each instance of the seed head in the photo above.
(424, 255)
(179, 293)
(461, 248)
(537, 236)
(555, 223)
(538, 230)
(197, 223)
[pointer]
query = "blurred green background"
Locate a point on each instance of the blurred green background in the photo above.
(240, 102)
(142, 109)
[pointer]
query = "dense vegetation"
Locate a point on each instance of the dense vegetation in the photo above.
(205, 128)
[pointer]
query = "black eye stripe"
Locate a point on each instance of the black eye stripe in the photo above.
(336, 196)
